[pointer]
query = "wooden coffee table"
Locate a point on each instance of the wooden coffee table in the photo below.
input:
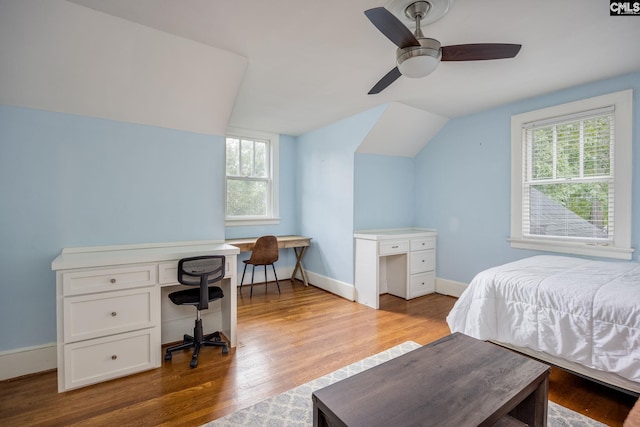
(455, 381)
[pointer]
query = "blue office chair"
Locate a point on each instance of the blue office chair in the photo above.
(201, 271)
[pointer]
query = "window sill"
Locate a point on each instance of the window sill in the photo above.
(595, 250)
(251, 221)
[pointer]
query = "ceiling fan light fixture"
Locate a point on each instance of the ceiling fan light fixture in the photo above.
(419, 61)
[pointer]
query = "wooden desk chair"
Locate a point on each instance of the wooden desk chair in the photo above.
(264, 252)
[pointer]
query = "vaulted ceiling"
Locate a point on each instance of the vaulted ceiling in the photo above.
(311, 63)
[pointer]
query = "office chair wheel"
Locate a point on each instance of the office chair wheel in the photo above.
(193, 363)
(167, 356)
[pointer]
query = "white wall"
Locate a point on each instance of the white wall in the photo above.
(59, 56)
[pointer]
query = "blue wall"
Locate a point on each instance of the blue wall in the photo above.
(70, 180)
(325, 193)
(463, 188)
(383, 196)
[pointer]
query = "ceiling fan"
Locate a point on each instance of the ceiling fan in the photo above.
(417, 55)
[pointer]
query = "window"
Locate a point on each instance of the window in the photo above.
(251, 178)
(571, 178)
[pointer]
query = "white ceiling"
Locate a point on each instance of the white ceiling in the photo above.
(312, 62)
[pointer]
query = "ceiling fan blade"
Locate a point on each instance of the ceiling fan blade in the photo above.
(479, 51)
(384, 82)
(391, 27)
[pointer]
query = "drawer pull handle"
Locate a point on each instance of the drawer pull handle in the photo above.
(394, 247)
(114, 357)
(114, 314)
(113, 280)
(422, 260)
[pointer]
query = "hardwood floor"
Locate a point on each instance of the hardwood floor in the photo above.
(284, 341)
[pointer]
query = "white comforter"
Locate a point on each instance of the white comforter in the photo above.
(583, 311)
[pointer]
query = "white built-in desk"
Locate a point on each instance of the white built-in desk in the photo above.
(113, 313)
(401, 262)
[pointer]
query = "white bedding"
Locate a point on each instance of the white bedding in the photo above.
(584, 311)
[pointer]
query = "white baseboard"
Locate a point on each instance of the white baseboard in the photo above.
(449, 287)
(342, 289)
(347, 291)
(28, 360)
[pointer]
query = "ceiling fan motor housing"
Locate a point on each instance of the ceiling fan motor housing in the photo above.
(419, 61)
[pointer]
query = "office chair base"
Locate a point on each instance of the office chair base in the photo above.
(211, 340)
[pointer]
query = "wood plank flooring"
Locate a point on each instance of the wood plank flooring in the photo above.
(284, 341)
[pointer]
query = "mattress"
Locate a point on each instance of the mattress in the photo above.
(586, 312)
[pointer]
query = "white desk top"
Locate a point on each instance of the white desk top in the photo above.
(394, 233)
(98, 256)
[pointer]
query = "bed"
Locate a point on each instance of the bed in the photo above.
(580, 315)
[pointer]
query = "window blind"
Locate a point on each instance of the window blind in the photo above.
(569, 180)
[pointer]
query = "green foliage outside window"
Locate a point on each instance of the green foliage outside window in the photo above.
(571, 164)
(247, 170)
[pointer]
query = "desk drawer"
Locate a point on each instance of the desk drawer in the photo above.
(93, 361)
(422, 244)
(422, 284)
(87, 281)
(96, 315)
(168, 271)
(393, 247)
(423, 261)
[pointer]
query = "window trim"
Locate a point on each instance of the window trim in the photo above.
(272, 217)
(620, 248)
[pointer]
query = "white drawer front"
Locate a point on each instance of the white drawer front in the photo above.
(393, 247)
(423, 261)
(422, 284)
(111, 279)
(96, 315)
(101, 359)
(168, 271)
(422, 244)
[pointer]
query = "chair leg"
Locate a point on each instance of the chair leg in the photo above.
(242, 280)
(265, 278)
(253, 270)
(188, 343)
(275, 275)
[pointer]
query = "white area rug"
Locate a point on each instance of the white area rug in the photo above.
(294, 408)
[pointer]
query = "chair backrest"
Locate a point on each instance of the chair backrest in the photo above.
(265, 251)
(201, 271)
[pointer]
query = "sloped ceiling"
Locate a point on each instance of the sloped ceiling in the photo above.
(58, 56)
(312, 63)
(401, 131)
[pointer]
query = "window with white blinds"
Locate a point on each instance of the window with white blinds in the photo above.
(571, 177)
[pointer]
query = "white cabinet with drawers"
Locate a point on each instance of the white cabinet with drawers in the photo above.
(400, 262)
(109, 307)
(110, 320)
